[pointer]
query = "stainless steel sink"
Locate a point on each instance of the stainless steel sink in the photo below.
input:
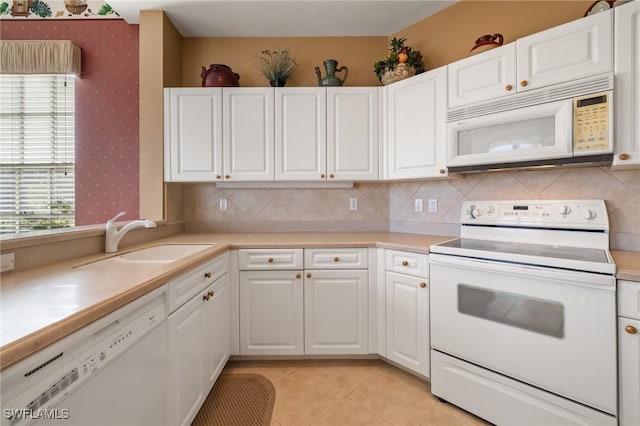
(154, 255)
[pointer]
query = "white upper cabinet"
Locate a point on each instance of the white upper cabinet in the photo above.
(301, 133)
(483, 76)
(578, 49)
(193, 134)
(416, 127)
(248, 133)
(352, 133)
(574, 50)
(627, 83)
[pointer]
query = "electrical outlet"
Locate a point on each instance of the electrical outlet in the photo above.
(433, 205)
(7, 262)
(417, 205)
(223, 204)
(353, 204)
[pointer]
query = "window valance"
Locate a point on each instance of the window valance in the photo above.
(39, 57)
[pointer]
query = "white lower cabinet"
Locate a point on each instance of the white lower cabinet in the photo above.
(298, 311)
(407, 313)
(199, 333)
(336, 312)
(629, 352)
(271, 312)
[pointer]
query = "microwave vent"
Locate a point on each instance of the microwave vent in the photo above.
(543, 95)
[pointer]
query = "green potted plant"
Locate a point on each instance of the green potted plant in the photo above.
(401, 62)
(277, 66)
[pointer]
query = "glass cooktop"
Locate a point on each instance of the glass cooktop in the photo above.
(539, 250)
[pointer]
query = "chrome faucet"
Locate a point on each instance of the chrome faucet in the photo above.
(113, 236)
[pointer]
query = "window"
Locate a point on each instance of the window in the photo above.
(37, 139)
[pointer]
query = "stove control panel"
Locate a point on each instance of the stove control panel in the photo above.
(581, 214)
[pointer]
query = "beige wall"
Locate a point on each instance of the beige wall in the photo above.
(241, 54)
(449, 35)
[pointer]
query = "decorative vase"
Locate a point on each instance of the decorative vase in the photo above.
(331, 67)
(401, 72)
(219, 75)
(280, 82)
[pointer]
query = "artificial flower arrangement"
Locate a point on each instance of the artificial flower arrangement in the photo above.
(401, 62)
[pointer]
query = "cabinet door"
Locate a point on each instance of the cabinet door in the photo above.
(580, 48)
(483, 76)
(629, 370)
(186, 362)
(408, 322)
(193, 134)
(416, 109)
(271, 313)
(217, 328)
(248, 133)
(336, 312)
(627, 82)
(301, 133)
(352, 133)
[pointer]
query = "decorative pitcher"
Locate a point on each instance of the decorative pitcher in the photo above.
(331, 67)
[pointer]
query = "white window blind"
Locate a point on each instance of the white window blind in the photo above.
(37, 140)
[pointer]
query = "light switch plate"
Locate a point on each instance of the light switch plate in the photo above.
(353, 204)
(433, 205)
(417, 205)
(223, 204)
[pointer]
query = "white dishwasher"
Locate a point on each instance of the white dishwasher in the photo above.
(111, 372)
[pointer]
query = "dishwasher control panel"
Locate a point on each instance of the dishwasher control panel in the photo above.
(40, 401)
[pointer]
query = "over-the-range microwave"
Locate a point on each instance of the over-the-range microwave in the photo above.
(571, 123)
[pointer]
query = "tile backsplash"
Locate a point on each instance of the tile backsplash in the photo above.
(390, 206)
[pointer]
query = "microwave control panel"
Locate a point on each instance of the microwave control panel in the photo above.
(592, 124)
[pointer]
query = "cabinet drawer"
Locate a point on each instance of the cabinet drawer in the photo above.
(407, 263)
(629, 299)
(261, 259)
(338, 258)
(187, 285)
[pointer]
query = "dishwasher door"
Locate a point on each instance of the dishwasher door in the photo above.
(130, 391)
(111, 372)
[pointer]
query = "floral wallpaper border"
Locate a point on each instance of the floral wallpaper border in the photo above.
(56, 9)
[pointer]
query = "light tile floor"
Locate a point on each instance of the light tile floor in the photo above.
(351, 392)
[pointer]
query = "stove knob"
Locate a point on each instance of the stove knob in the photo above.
(478, 212)
(491, 209)
(564, 210)
(589, 214)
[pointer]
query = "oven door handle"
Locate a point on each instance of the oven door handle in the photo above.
(585, 279)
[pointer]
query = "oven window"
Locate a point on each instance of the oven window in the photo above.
(540, 316)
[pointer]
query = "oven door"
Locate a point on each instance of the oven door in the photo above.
(551, 328)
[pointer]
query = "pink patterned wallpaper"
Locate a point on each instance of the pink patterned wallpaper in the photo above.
(107, 135)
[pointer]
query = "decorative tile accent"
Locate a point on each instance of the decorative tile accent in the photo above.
(390, 206)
